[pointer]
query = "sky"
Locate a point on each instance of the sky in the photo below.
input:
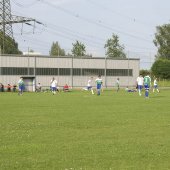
(92, 22)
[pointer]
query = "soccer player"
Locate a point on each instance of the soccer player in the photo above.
(89, 86)
(38, 88)
(99, 84)
(147, 84)
(20, 86)
(140, 84)
(155, 83)
(117, 84)
(53, 85)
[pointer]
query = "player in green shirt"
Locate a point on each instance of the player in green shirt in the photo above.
(99, 84)
(147, 84)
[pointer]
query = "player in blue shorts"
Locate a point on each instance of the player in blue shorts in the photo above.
(147, 84)
(54, 85)
(155, 83)
(20, 86)
(99, 84)
(89, 86)
(140, 84)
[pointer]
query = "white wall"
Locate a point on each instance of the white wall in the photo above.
(49, 62)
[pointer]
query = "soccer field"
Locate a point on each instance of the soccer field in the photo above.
(80, 131)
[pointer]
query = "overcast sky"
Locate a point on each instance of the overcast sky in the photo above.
(91, 22)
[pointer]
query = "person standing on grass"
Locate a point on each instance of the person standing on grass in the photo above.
(89, 86)
(38, 88)
(20, 86)
(99, 84)
(53, 85)
(155, 84)
(147, 84)
(117, 84)
(1, 87)
(140, 84)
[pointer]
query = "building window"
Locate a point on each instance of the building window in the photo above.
(14, 71)
(64, 71)
(119, 72)
(89, 72)
(76, 71)
(46, 71)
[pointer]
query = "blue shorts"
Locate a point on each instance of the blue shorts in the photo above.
(21, 88)
(99, 86)
(140, 87)
(155, 86)
(54, 88)
(146, 87)
(89, 87)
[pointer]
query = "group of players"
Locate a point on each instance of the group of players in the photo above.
(146, 83)
(141, 82)
(88, 87)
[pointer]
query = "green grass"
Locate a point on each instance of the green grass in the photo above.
(164, 83)
(80, 131)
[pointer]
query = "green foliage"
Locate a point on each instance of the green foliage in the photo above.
(162, 41)
(79, 49)
(9, 45)
(113, 48)
(56, 50)
(161, 68)
(144, 72)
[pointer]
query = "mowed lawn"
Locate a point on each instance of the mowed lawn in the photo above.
(80, 131)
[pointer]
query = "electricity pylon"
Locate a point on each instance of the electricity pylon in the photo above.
(6, 21)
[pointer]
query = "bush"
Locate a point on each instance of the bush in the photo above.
(144, 72)
(161, 68)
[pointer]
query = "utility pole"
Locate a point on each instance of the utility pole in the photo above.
(128, 68)
(6, 21)
(28, 61)
(105, 70)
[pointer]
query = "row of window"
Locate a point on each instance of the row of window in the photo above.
(64, 71)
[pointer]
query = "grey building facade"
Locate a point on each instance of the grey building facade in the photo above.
(73, 71)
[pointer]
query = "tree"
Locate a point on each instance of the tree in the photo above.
(8, 45)
(79, 49)
(113, 48)
(31, 50)
(162, 41)
(56, 50)
(144, 72)
(161, 68)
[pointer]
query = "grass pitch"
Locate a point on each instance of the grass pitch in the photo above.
(80, 131)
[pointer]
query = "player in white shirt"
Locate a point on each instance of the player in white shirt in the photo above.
(155, 83)
(53, 85)
(89, 86)
(117, 84)
(140, 84)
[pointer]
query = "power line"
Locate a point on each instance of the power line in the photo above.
(132, 19)
(93, 22)
(72, 33)
(24, 5)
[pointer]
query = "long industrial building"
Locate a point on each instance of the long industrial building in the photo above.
(67, 70)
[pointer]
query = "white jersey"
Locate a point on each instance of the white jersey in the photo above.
(155, 83)
(89, 83)
(53, 83)
(117, 82)
(140, 81)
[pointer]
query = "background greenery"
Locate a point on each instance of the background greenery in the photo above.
(80, 131)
